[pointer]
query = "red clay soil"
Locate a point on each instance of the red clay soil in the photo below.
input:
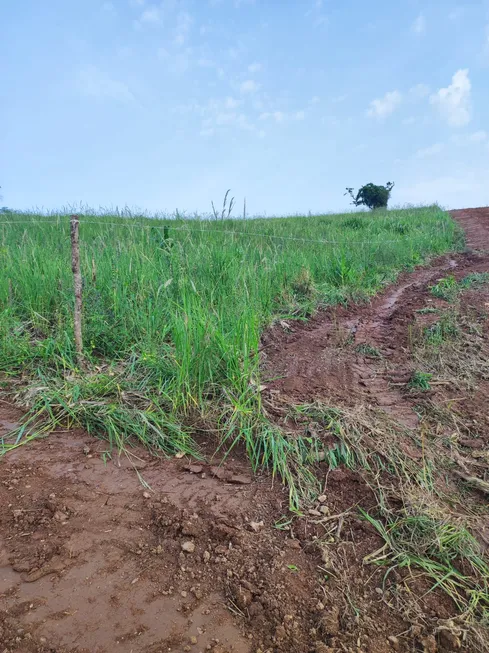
(142, 555)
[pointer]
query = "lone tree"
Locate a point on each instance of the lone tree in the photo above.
(375, 197)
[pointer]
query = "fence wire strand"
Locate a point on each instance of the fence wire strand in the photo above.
(208, 231)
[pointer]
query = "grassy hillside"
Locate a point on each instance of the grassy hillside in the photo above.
(172, 324)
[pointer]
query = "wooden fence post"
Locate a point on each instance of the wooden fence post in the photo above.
(75, 266)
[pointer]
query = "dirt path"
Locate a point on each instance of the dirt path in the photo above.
(101, 554)
(357, 355)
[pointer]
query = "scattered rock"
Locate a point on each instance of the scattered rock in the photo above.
(243, 598)
(241, 479)
(219, 472)
(59, 515)
(394, 642)
(429, 644)
(188, 547)
(449, 640)
(329, 623)
(256, 525)
(323, 498)
(207, 556)
(194, 469)
(146, 495)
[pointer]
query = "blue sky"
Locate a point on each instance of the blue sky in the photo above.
(166, 104)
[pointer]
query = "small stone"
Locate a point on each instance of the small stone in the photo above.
(429, 644)
(193, 640)
(280, 633)
(449, 640)
(324, 510)
(60, 516)
(256, 525)
(330, 622)
(146, 495)
(314, 513)
(194, 469)
(394, 642)
(183, 593)
(323, 498)
(52, 496)
(188, 547)
(206, 556)
(241, 479)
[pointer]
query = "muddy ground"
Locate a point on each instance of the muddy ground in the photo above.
(141, 555)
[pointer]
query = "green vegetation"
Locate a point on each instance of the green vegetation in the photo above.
(371, 195)
(420, 381)
(368, 350)
(449, 289)
(173, 314)
(417, 510)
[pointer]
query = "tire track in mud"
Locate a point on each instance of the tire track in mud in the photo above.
(332, 357)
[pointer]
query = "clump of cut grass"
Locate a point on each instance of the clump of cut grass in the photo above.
(368, 350)
(426, 310)
(417, 514)
(420, 381)
(446, 289)
(449, 289)
(453, 347)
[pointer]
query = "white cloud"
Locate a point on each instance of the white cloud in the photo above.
(467, 188)
(383, 107)
(453, 102)
(429, 151)
(177, 63)
(419, 91)
(456, 13)
(149, 16)
(278, 116)
(419, 25)
(475, 138)
(109, 8)
(478, 137)
(249, 86)
(205, 63)
(184, 23)
(255, 67)
(231, 103)
(95, 83)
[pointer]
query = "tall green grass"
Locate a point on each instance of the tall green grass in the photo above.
(176, 315)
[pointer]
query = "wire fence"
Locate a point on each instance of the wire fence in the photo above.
(230, 232)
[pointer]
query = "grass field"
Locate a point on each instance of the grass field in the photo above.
(173, 318)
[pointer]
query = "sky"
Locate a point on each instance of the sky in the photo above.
(164, 105)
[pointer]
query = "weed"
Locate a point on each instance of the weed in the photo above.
(475, 280)
(426, 310)
(420, 381)
(439, 332)
(368, 350)
(446, 289)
